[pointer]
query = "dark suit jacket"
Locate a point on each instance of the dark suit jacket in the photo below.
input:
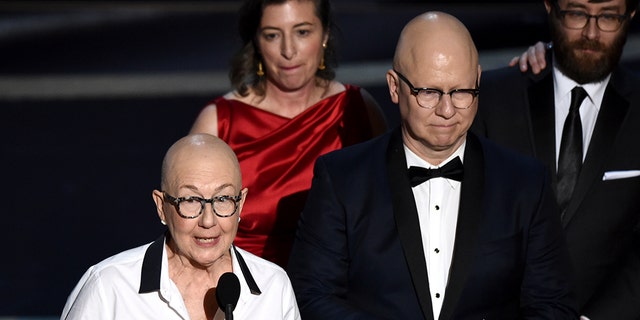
(601, 221)
(358, 252)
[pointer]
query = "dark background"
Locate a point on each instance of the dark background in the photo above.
(82, 154)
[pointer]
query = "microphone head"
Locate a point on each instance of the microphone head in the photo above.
(228, 290)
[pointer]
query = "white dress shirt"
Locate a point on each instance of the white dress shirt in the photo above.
(588, 109)
(437, 201)
(135, 284)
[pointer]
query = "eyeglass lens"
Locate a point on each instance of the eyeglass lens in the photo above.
(431, 98)
(193, 206)
(579, 20)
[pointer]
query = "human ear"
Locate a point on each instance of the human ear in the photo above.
(392, 83)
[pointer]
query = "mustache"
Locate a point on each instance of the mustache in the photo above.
(585, 44)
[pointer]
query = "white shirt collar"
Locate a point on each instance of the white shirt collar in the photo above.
(564, 85)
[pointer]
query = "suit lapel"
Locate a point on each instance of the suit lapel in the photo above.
(469, 218)
(406, 216)
(612, 112)
(610, 117)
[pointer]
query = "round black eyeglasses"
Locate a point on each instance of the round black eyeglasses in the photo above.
(430, 97)
(192, 207)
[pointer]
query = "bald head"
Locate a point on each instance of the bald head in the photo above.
(434, 38)
(197, 152)
(435, 51)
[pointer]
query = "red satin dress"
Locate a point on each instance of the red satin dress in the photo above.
(276, 157)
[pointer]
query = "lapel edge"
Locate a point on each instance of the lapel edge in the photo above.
(407, 223)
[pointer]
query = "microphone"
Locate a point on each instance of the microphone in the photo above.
(227, 293)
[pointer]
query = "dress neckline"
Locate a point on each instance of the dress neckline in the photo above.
(347, 88)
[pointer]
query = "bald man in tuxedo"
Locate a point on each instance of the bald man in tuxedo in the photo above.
(429, 221)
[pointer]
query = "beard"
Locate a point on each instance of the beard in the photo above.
(586, 68)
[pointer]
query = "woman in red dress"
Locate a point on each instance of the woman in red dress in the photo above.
(285, 111)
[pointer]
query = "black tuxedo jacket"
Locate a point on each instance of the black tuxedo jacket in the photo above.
(358, 252)
(601, 221)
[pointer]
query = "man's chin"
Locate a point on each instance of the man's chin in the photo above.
(589, 67)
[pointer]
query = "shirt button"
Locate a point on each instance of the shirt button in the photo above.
(437, 295)
(436, 250)
(437, 207)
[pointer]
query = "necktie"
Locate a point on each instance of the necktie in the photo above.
(570, 158)
(452, 170)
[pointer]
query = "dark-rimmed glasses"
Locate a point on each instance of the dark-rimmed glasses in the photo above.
(574, 19)
(430, 97)
(192, 207)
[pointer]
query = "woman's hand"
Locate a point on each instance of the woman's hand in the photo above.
(533, 57)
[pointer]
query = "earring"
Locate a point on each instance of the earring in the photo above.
(260, 73)
(163, 222)
(322, 66)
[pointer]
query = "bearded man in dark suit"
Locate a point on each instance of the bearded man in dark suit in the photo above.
(599, 190)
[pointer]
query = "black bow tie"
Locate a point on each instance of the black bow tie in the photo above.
(452, 170)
